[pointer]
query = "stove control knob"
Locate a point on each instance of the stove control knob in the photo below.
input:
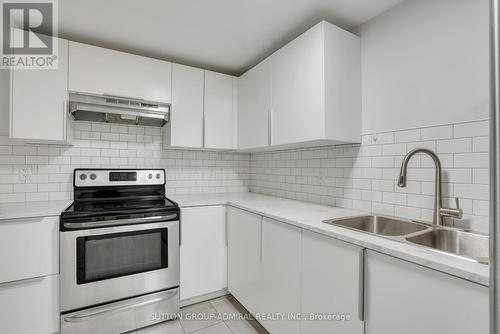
(158, 175)
(150, 176)
(93, 176)
(83, 177)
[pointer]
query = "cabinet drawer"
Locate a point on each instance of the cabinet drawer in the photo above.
(30, 306)
(29, 248)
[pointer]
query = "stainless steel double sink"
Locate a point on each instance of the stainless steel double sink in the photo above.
(464, 244)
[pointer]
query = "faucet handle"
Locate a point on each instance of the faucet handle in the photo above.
(455, 213)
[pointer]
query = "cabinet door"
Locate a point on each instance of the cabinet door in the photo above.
(254, 104)
(203, 251)
(332, 278)
(298, 90)
(406, 298)
(99, 71)
(30, 306)
(38, 102)
(29, 248)
(244, 257)
(281, 271)
(219, 113)
(186, 118)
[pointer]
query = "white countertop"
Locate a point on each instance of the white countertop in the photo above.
(32, 209)
(309, 216)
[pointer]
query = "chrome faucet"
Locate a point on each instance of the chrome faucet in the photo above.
(439, 211)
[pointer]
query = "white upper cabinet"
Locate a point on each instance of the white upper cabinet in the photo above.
(204, 109)
(254, 106)
(297, 112)
(101, 71)
(186, 118)
(314, 84)
(38, 101)
(220, 110)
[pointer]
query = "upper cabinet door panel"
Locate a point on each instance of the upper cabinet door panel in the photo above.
(38, 104)
(219, 113)
(254, 103)
(298, 89)
(102, 71)
(186, 116)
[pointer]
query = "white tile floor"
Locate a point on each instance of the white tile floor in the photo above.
(216, 317)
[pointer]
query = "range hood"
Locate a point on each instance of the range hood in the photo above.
(115, 109)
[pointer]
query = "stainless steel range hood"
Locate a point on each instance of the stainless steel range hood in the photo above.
(116, 109)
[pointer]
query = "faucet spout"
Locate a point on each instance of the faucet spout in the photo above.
(437, 216)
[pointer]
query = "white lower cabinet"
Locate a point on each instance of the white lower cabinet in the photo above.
(30, 306)
(281, 269)
(29, 248)
(203, 251)
(244, 257)
(402, 297)
(332, 280)
(264, 269)
(278, 270)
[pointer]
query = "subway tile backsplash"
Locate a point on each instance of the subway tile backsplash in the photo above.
(353, 176)
(44, 172)
(364, 176)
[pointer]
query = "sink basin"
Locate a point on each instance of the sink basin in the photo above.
(383, 226)
(460, 243)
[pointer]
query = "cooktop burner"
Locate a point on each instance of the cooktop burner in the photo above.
(109, 194)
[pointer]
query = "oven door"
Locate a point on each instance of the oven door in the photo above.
(107, 264)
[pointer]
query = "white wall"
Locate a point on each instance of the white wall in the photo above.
(425, 62)
(4, 102)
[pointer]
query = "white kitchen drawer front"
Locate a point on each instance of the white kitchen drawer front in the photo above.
(102, 71)
(30, 306)
(29, 248)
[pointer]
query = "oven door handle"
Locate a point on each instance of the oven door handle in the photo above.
(85, 225)
(119, 306)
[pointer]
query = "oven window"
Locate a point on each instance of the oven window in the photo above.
(120, 254)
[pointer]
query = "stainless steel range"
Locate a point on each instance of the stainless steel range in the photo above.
(119, 252)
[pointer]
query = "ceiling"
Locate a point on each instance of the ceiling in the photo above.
(228, 36)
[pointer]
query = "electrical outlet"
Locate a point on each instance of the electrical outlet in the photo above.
(25, 173)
